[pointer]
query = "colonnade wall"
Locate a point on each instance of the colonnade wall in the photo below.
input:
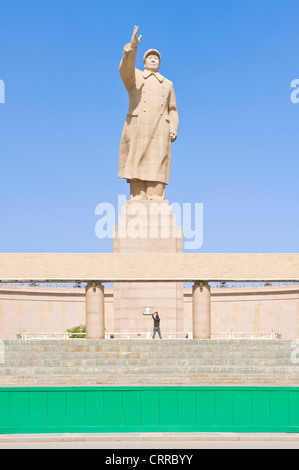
(241, 309)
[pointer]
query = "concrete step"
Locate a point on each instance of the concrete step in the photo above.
(28, 351)
(131, 380)
(148, 362)
(53, 362)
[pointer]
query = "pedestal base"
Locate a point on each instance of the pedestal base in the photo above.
(148, 227)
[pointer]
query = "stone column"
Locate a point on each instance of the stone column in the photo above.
(201, 306)
(95, 318)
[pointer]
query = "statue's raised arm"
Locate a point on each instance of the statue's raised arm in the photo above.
(135, 39)
(127, 65)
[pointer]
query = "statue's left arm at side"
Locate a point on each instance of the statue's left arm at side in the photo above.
(173, 116)
(127, 65)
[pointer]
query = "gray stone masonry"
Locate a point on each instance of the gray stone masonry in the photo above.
(147, 362)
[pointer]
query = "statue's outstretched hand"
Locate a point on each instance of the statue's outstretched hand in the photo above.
(135, 39)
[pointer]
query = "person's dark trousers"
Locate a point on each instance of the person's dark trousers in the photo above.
(157, 330)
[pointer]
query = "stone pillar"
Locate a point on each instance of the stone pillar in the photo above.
(95, 317)
(201, 306)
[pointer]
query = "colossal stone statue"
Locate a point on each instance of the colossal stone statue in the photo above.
(151, 124)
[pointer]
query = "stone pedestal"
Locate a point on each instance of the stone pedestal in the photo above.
(148, 227)
(95, 317)
(201, 303)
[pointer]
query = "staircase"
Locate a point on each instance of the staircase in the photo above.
(147, 362)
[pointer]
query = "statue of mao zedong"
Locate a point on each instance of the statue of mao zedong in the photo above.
(150, 127)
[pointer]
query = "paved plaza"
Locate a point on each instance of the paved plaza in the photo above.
(151, 441)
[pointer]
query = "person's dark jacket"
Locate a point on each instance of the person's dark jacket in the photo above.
(156, 321)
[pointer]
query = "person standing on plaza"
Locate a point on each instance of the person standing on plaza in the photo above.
(156, 319)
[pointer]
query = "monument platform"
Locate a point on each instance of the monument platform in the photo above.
(131, 386)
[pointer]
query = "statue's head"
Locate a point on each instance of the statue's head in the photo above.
(152, 60)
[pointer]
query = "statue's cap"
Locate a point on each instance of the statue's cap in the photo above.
(152, 51)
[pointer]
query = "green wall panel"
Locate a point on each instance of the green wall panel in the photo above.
(261, 412)
(94, 409)
(206, 407)
(19, 409)
(279, 409)
(131, 408)
(243, 408)
(224, 408)
(168, 407)
(75, 408)
(56, 409)
(113, 409)
(5, 410)
(149, 409)
(38, 410)
(294, 408)
(149, 404)
(187, 408)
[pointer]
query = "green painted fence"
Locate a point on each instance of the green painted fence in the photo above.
(149, 409)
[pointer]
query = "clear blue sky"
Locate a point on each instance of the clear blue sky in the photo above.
(231, 62)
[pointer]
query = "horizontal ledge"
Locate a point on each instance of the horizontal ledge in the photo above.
(149, 267)
(144, 279)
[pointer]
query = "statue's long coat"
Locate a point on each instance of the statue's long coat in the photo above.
(145, 149)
